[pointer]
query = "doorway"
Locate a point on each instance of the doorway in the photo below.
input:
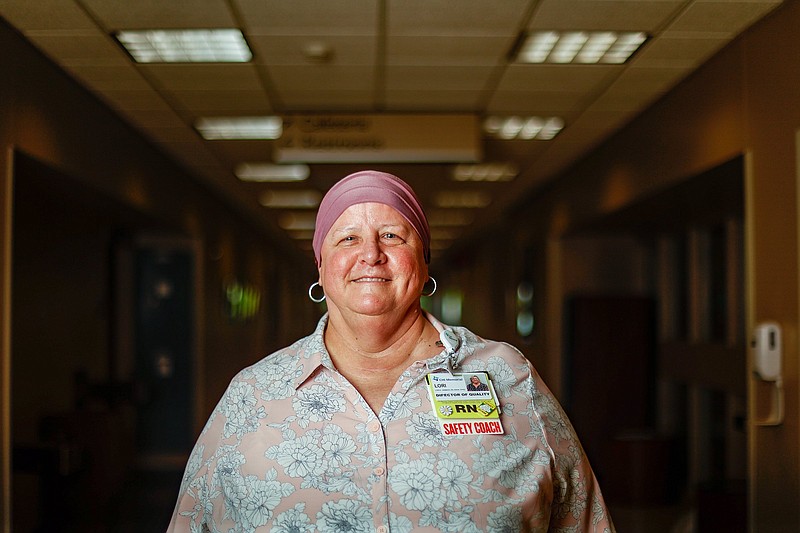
(689, 243)
(81, 415)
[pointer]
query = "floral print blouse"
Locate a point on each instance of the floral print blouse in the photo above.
(293, 447)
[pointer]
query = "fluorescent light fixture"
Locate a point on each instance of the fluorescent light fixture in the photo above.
(298, 221)
(549, 130)
(581, 47)
(468, 199)
(186, 46)
(229, 128)
(449, 217)
(272, 173)
(443, 234)
(485, 172)
(302, 234)
(299, 199)
(524, 128)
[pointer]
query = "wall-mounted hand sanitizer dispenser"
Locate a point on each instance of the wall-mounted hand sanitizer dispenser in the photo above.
(767, 354)
(767, 351)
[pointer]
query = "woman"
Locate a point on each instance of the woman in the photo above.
(367, 424)
(475, 384)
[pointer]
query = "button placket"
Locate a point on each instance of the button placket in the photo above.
(378, 480)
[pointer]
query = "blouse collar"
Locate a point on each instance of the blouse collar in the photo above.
(314, 354)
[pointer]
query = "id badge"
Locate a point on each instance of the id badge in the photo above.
(465, 403)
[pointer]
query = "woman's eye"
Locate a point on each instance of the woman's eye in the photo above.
(392, 238)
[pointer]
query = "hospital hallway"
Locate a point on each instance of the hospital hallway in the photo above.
(612, 188)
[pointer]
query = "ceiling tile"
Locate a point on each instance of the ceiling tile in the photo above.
(722, 16)
(84, 48)
(216, 76)
(233, 152)
(681, 52)
(473, 16)
(136, 100)
(46, 15)
(621, 15)
(446, 50)
(153, 14)
(648, 80)
(322, 100)
(289, 49)
(555, 78)
(222, 102)
(158, 120)
(110, 77)
(288, 78)
(534, 103)
(288, 17)
(616, 100)
(437, 78)
(432, 101)
(436, 56)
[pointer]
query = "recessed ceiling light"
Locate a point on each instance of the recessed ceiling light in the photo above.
(485, 172)
(186, 46)
(580, 47)
(272, 173)
(524, 128)
(318, 52)
(228, 128)
(300, 199)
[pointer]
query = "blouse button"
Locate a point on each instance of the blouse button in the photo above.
(382, 529)
(374, 426)
(379, 471)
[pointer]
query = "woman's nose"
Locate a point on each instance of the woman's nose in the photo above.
(371, 252)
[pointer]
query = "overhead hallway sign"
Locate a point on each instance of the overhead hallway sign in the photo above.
(379, 138)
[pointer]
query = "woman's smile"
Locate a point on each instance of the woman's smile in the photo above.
(372, 262)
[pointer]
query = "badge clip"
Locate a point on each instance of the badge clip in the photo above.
(450, 341)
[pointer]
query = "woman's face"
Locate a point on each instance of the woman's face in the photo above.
(372, 262)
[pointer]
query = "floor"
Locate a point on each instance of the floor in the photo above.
(657, 519)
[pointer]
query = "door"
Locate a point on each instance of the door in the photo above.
(164, 331)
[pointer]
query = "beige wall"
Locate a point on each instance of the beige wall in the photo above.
(772, 84)
(743, 102)
(50, 119)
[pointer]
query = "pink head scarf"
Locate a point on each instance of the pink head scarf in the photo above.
(370, 186)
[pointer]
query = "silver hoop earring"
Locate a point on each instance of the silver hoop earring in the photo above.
(433, 290)
(311, 293)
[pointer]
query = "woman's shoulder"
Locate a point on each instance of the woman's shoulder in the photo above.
(475, 346)
(282, 361)
(478, 347)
